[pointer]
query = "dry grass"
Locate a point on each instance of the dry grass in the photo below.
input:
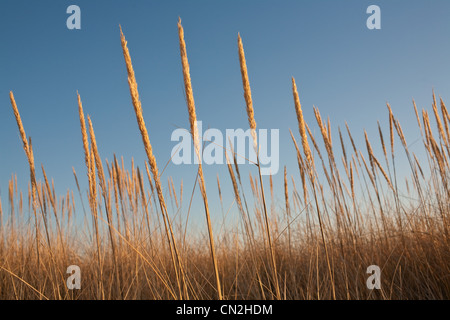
(316, 243)
(252, 124)
(194, 133)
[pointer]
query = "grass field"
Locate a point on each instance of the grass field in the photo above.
(344, 210)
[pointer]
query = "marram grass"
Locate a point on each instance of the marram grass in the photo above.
(352, 210)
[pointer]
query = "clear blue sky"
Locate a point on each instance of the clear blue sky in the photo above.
(340, 66)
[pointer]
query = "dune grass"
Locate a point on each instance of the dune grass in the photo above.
(351, 210)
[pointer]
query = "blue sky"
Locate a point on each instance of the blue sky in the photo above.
(340, 66)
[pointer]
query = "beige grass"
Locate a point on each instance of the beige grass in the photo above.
(351, 211)
(152, 161)
(194, 132)
(252, 124)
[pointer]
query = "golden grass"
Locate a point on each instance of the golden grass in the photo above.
(316, 243)
(252, 124)
(301, 123)
(194, 132)
(29, 153)
(152, 161)
(247, 92)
